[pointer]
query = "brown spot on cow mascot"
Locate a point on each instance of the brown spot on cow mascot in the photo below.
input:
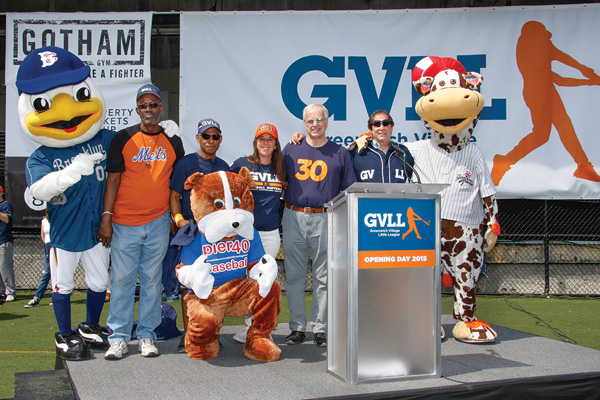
(227, 269)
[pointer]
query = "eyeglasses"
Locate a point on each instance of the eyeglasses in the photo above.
(312, 121)
(385, 122)
(143, 106)
(206, 136)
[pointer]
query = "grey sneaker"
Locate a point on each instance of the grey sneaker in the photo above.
(32, 303)
(147, 348)
(117, 350)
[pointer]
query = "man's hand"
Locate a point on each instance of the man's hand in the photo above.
(362, 142)
(297, 138)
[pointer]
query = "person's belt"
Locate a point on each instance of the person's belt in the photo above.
(307, 210)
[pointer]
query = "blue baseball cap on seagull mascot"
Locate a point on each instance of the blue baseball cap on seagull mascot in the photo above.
(48, 68)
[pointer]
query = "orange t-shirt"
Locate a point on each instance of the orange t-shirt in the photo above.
(145, 161)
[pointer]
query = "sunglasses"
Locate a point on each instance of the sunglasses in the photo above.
(385, 122)
(206, 136)
(143, 106)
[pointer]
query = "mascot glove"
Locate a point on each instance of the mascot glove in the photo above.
(171, 128)
(57, 182)
(265, 273)
(362, 142)
(197, 277)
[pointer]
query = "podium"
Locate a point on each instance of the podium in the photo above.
(384, 282)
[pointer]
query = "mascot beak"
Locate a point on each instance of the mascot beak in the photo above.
(66, 118)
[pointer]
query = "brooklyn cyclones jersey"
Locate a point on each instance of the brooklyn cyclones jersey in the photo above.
(229, 258)
(373, 165)
(267, 194)
(74, 225)
(145, 161)
(188, 165)
(466, 172)
(316, 174)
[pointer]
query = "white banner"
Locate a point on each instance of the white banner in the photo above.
(116, 46)
(248, 68)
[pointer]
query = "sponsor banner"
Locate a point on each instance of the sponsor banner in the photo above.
(540, 85)
(116, 46)
(396, 233)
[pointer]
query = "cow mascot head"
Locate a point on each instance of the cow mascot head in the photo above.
(227, 269)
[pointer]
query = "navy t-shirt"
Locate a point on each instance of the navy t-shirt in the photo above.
(316, 174)
(267, 194)
(186, 166)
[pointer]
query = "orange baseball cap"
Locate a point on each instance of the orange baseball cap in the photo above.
(266, 128)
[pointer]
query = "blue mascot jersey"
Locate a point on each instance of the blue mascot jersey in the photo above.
(229, 258)
(74, 225)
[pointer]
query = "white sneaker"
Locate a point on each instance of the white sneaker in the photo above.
(241, 335)
(147, 348)
(32, 303)
(9, 298)
(117, 350)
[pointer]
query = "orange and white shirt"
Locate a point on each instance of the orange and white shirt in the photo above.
(145, 161)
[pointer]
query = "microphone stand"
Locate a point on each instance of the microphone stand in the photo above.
(401, 155)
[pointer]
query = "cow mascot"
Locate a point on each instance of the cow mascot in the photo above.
(450, 109)
(62, 109)
(226, 268)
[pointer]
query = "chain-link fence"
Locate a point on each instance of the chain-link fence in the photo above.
(546, 247)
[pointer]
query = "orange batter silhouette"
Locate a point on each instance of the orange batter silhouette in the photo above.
(535, 53)
(412, 217)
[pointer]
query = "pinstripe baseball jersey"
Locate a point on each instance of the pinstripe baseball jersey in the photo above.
(466, 172)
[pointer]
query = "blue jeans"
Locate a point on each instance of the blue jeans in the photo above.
(169, 278)
(45, 273)
(137, 251)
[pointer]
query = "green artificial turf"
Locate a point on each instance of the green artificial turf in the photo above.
(27, 334)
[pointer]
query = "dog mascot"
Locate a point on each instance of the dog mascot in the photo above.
(227, 269)
(62, 109)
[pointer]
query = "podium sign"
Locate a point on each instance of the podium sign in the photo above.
(384, 282)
